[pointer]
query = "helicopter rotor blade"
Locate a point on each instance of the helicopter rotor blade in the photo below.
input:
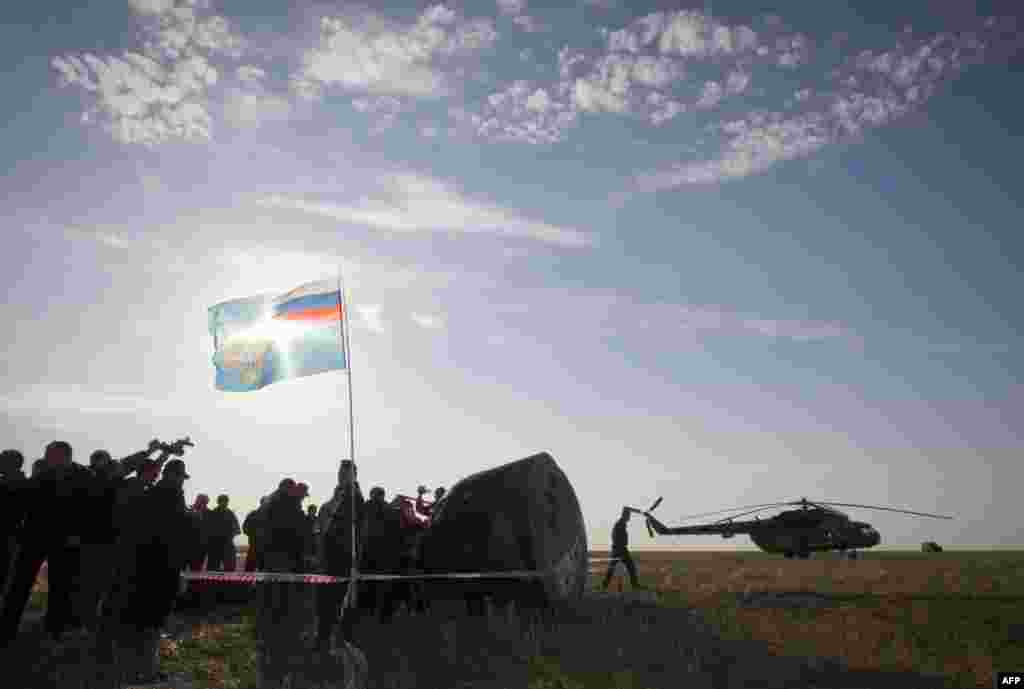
(650, 531)
(734, 509)
(655, 505)
(743, 514)
(886, 509)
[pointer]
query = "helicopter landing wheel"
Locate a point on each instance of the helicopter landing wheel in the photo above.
(803, 555)
(788, 555)
(852, 554)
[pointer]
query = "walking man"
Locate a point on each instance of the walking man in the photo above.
(620, 552)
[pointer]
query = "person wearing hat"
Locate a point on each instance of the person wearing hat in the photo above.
(148, 585)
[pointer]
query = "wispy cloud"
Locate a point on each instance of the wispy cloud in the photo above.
(366, 53)
(625, 315)
(158, 93)
(428, 321)
(643, 71)
(418, 203)
(75, 398)
(872, 89)
(370, 318)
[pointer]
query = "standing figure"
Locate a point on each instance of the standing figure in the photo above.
(12, 479)
(382, 543)
(311, 521)
(48, 499)
(221, 529)
(422, 506)
(251, 527)
(284, 606)
(108, 488)
(413, 526)
(147, 584)
(198, 514)
(620, 552)
(335, 552)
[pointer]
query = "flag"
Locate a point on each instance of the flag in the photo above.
(269, 338)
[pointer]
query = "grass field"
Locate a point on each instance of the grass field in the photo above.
(957, 614)
(952, 615)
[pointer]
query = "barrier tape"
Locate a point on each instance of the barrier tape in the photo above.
(290, 578)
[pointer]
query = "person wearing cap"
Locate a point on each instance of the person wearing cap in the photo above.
(12, 478)
(335, 551)
(221, 529)
(147, 585)
(52, 502)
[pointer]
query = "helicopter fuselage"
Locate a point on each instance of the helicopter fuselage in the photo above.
(794, 533)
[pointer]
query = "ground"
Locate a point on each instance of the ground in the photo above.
(715, 619)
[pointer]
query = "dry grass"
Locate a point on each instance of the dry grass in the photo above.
(942, 614)
(947, 613)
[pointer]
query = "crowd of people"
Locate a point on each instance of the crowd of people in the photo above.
(117, 534)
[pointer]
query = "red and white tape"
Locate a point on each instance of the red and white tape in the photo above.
(289, 578)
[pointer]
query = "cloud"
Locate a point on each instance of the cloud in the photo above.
(151, 6)
(244, 109)
(160, 93)
(524, 113)
(65, 399)
(512, 7)
(372, 55)
(369, 315)
(417, 203)
(99, 235)
(644, 71)
(251, 74)
(516, 9)
(384, 109)
(873, 89)
(687, 33)
(427, 321)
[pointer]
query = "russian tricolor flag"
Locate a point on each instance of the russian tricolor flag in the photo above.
(266, 339)
(314, 301)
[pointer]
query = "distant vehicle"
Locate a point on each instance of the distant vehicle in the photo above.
(812, 527)
(931, 547)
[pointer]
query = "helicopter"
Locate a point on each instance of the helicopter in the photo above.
(814, 526)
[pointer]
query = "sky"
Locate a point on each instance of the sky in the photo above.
(724, 253)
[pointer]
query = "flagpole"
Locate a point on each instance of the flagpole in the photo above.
(343, 308)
